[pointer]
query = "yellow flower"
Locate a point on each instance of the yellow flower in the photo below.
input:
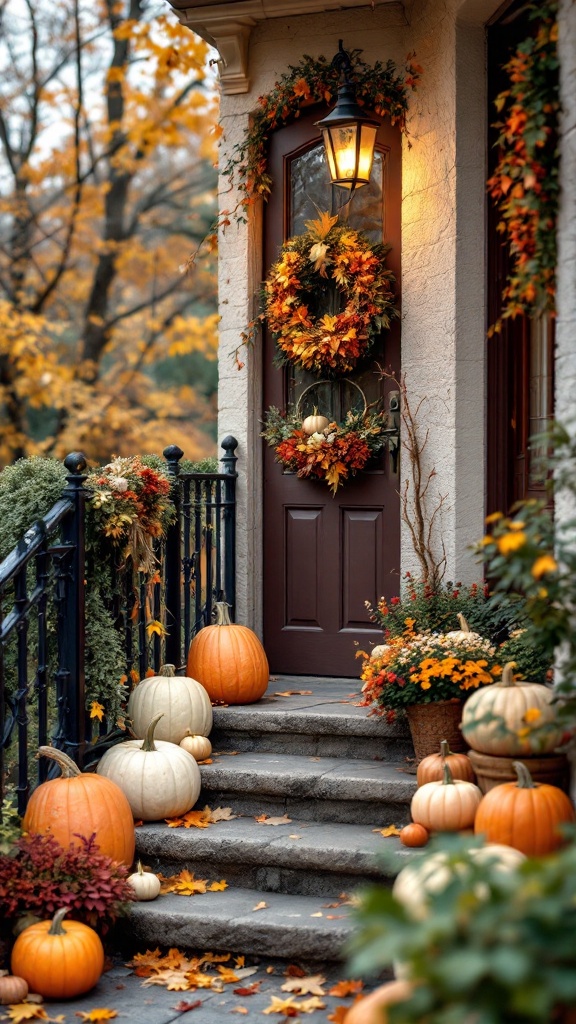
(511, 542)
(425, 684)
(486, 540)
(532, 715)
(494, 517)
(516, 525)
(543, 565)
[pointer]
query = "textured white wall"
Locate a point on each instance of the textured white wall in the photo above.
(443, 327)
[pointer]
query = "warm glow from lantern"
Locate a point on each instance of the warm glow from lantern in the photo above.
(349, 140)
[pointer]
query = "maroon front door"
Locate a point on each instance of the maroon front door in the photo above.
(325, 556)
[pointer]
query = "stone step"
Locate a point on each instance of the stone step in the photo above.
(291, 927)
(302, 857)
(326, 722)
(309, 788)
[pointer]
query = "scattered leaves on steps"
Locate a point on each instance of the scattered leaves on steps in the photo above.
(185, 884)
(201, 819)
(264, 819)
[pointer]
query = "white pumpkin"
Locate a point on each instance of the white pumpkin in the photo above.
(446, 806)
(493, 719)
(199, 746)
(184, 702)
(315, 424)
(159, 779)
(464, 633)
(145, 884)
(432, 873)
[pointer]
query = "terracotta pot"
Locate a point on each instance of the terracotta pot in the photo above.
(432, 723)
(553, 769)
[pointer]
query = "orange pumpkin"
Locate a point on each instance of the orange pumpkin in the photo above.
(229, 661)
(372, 1008)
(431, 768)
(58, 962)
(78, 804)
(524, 814)
(414, 835)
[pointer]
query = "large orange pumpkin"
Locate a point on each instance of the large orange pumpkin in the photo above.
(229, 661)
(78, 804)
(58, 962)
(524, 814)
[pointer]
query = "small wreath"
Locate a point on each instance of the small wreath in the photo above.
(328, 296)
(333, 453)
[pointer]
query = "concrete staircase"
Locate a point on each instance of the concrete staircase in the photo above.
(336, 772)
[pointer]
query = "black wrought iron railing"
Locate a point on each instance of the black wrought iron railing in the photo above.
(43, 617)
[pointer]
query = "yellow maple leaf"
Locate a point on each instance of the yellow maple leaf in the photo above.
(390, 830)
(282, 1005)
(186, 885)
(97, 710)
(320, 227)
(26, 1011)
(218, 886)
(197, 819)
(312, 1004)
(155, 627)
(227, 975)
(310, 985)
(97, 1014)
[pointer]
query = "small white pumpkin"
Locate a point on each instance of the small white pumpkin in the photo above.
(159, 779)
(199, 746)
(183, 700)
(315, 424)
(145, 884)
(464, 633)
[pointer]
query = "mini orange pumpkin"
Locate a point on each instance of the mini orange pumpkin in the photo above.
(431, 768)
(414, 835)
(229, 661)
(81, 804)
(524, 814)
(58, 962)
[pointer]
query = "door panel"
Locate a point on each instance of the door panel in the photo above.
(325, 556)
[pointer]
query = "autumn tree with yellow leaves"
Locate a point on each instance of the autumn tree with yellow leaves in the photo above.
(107, 149)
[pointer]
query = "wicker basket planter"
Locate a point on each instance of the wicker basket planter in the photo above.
(431, 723)
(553, 769)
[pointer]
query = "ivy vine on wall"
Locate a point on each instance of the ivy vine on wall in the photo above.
(525, 184)
(380, 87)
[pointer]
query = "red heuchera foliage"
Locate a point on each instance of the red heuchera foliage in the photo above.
(41, 876)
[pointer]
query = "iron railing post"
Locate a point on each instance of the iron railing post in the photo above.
(229, 460)
(71, 627)
(173, 564)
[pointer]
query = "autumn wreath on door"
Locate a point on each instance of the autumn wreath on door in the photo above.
(328, 296)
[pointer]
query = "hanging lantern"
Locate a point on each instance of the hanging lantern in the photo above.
(349, 135)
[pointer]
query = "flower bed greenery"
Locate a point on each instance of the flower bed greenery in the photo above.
(495, 947)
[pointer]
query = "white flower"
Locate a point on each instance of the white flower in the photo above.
(118, 483)
(379, 651)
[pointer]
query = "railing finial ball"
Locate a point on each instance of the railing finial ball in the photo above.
(76, 463)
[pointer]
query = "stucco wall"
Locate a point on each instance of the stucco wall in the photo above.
(443, 327)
